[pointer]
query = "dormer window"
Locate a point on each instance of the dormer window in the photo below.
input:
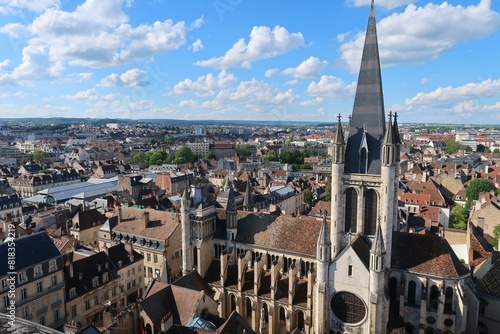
(37, 271)
(99, 268)
(72, 293)
(120, 264)
(95, 282)
(105, 277)
(52, 265)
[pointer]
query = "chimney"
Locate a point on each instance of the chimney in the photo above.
(128, 248)
(70, 269)
(119, 214)
(167, 322)
(145, 217)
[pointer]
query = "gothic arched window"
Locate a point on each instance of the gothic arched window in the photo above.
(351, 210)
(412, 289)
(370, 212)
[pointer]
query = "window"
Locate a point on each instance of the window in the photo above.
(128, 285)
(139, 268)
(87, 304)
(73, 311)
(41, 321)
(54, 280)
(349, 270)
(106, 295)
(37, 271)
(149, 257)
(133, 282)
(72, 293)
(150, 272)
(95, 282)
(5, 285)
(6, 301)
(113, 293)
(370, 212)
(39, 287)
(24, 294)
(52, 265)
(155, 258)
(104, 277)
(351, 210)
(96, 300)
(56, 315)
(22, 277)
(133, 271)
(348, 307)
(26, 313)
(128, 273)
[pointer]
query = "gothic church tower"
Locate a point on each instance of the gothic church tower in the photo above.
(364, 206)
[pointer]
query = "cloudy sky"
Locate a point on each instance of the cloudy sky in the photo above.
(246, 59)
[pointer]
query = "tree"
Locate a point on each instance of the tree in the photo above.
(497, 150)
(308, 197)
(210, 155)
(184, 155)
(458, 218)
(453, 146)
(39, 155)
(496, 236)
(156, 157)
(168, 140)
(138, 157)
(475, 187)
(243, 150)
(270, 157)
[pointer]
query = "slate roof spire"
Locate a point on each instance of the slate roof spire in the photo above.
(368, 108)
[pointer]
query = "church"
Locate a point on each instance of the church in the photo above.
(355, 271)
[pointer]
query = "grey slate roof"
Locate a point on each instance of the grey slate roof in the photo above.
(30, 250)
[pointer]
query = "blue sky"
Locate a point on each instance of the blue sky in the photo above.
(246, 59)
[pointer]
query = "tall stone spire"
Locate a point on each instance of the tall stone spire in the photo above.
(247, 199)
(339, 144)
(368, 109)
(185, 231)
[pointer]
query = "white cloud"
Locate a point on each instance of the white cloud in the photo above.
(309, 68)
(270, 72)
(389, 4)
(447, 95)
(132, 78)
(38, 6)
(96, 34)
(291, 82)
(26, 110)
(5, 64)
(313, 102)
(264, 43)
(197, 45)
(187, 103)
(332, 87)
(205, 85)
(420, 34)
(255, 92)
(424, 80)
(197, 23)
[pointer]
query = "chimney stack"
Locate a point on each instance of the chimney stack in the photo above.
(145, 217)
(119, 214)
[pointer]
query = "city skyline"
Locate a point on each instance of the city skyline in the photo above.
(242, 60)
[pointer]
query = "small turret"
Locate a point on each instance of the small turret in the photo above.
(389, 145)
(339, 145)
(323, 250)
(247, 199)
(377, 251)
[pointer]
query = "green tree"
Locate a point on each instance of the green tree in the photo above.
(475, 187)
(497, 150)
(39, 155)
(270, 157)
(328, 189)
(308, 197)
(458, 218)
(453, 146)
(156, 157)
(496, 236)
(210, 155)
(292, 156)
(138, 158)
(243, 150)
(169, 140)
(184, 155)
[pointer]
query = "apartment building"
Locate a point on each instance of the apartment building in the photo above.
(38, 278)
